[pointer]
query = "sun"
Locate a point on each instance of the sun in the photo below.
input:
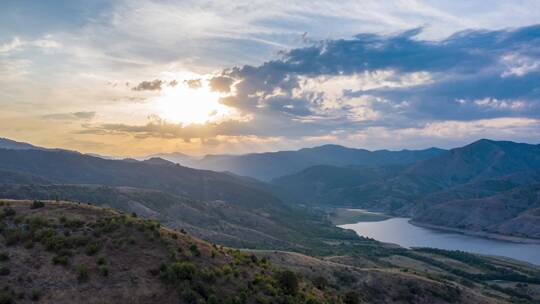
(185, 105)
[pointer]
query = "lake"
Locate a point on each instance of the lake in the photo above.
(400, 231)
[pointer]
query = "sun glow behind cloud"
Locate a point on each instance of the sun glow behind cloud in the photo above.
(185, 105)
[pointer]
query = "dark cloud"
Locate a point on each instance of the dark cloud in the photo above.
(193, 83)
(465, 68)
(154, 85)
(221, 84)
(84, 115)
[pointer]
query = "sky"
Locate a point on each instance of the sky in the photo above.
(131, 78)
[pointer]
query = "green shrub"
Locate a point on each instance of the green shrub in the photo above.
(56, 243)
(320, 282)
(37, 205)
(12, 236)
(8, 212)
(194, 250)
(176, 272)
(4, 256)
(351, 297)
(4, 271)
(60, 260)
(92, 248)
(82, 273)
(288, 282)
(35, 295)
(101, 261)
(104, 271)
(6, 298)
(189, 296)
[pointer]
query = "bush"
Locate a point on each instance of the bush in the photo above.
(4, 256)
(60, 260)
(320, 282)
(35, 295)
(101, 261)
(176, 272)
(288, 282)
(351, 297)
(12, 236)
(37, 204)
(195, 250)
(82, 274)
(104, 271)
(92, 249)
(6, 298)
(4, 271)
(8, 211)
(189, 296)
(56, 243)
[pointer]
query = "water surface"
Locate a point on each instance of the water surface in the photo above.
(400, 231)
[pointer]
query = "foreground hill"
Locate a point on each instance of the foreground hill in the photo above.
(59, 252)
(266, 166)
(68, 253)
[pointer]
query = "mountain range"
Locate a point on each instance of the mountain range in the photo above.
(266, 166)
(435, 190)
(486, 186)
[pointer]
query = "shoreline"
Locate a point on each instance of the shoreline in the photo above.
(486, 235)
(344, 216)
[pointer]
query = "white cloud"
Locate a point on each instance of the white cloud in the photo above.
(519, 65)
(10, 46)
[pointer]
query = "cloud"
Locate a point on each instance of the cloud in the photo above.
(154, 85)
(397, 84)
(221, 84)
(160, 128)
(193, 83)
(83, 115)
(396, 80)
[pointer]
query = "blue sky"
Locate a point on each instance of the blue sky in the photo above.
(140, 77)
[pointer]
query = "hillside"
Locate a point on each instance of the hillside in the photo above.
(514, 212)
(60, 252)
(68, 253)
(217, 221)
(75, 168)
(266, 166)
(458, 188)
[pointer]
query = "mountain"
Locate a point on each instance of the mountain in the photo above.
(6, 143)
(175, 157)
(63, 252)
(74, 168)
(514, 212)
(223, 207)
(319, 183)
(266, 166)
(442, 190)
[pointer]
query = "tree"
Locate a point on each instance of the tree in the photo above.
(288, 281)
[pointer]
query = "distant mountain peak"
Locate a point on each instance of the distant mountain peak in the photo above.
(6, 143)
(157, 161)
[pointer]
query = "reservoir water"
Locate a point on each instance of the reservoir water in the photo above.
(400, 231)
